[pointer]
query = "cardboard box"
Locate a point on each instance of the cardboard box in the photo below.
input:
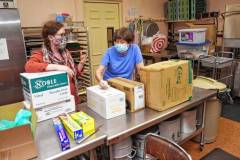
(73, 129)
(45, 88)
(18, 142)
(134, 92)
(85, 121)
(53, 110)
(61, 134)
(107, 103)
(167, 83)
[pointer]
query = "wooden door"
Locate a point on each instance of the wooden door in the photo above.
(98, 17)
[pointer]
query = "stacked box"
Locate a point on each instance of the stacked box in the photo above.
(48, 92)
(167, 83)
(184, 9)
(197, 35)
(53, 110)
(171, 10)
(176, 9)
(72, 127)
(45, 88)
(192, 9)
(200, 6)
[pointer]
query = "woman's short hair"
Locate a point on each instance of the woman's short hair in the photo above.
(50, 28)
(125, 34)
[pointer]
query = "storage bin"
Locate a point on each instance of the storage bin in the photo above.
(123, 150)
(138, 140)
(213, 108)
(192, 35)
(194, 50)
(171, 128)
(188, 121)
(213, 113)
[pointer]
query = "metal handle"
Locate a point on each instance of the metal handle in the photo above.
(132, 154)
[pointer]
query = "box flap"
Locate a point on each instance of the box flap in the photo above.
(9, 112)
(156, 67)
(17, 143)
(131, 82)
(40, 74)
(125, 82)
(9, 139)
(118, 81)
(104, 92)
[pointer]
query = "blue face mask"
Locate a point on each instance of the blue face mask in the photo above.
(121, 48)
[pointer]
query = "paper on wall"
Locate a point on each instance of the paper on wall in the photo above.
(3, 49)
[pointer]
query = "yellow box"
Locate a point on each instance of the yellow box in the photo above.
(167, 83)
(134, 92)
(71, 126)
(85, 121)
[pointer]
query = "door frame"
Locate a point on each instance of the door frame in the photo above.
(120, 7)
(119, 2)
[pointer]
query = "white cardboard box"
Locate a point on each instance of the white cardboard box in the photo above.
(45, 88)
(53, 110)
(107, 103)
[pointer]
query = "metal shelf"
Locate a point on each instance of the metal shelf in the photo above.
(32, 39)
(85, 80)
(187, 136)
(190, 20)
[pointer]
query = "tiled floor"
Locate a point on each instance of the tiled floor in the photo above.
(228, 139)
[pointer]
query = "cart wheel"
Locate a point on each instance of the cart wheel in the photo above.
(201, 147)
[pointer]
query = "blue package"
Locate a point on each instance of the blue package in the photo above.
(62, 136)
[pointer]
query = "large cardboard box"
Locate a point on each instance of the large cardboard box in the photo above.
(18, 142)
(107, 103)
(167, 83)
(53, 110)
(134, 92)
(45, 88)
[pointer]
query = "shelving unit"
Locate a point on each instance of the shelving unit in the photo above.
(85, 80)
(173, 35)
(33, 40)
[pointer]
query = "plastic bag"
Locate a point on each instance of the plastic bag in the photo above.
(23, 117)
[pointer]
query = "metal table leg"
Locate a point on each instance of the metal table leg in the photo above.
(93, 154)
(202, 141)
(110, 152)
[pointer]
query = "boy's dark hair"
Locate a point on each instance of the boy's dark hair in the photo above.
(123, 33)
(50, 28)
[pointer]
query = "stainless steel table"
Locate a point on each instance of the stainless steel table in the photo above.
(49, 147)
(124, 126)
(116, 129)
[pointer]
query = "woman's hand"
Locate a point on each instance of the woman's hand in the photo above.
(58, 67)
(67, 69)
(83, 58)
(103, 84)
